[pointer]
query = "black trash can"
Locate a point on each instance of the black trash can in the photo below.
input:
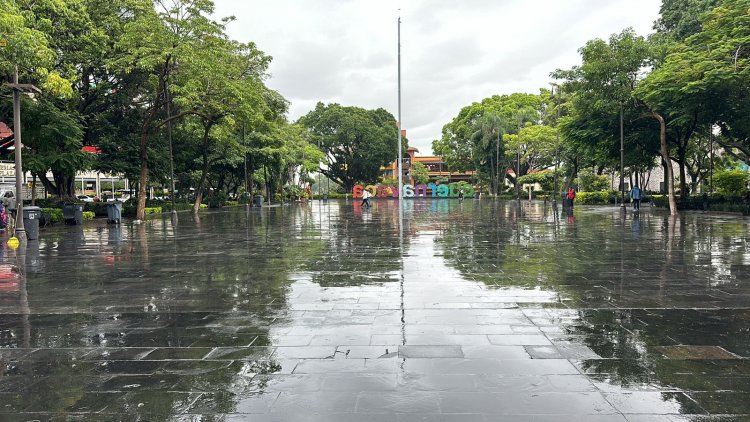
(73, 214)
(114, 212)
(257, 201)
(31, 216)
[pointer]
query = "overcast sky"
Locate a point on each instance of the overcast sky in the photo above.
(453, 52)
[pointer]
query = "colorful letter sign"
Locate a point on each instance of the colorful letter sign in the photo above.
(451, 190)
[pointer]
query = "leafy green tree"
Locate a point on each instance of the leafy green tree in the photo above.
(421, 173)
(489, 136)
(156, 43)
(25, 44)
(52, 140)
(536, 146)
(683, 18)
(466, 146)
(355, 141)
(710, 72)
(603, 85)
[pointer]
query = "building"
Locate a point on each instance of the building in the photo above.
(436, 168)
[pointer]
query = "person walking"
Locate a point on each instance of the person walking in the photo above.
(571, 196)
(635, 195)
(366, 195)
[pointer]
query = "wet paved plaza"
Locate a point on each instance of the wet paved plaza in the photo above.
(481, 311)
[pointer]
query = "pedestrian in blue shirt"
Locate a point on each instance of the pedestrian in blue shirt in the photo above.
(635, 195)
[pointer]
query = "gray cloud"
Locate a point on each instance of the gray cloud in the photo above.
(454, 53)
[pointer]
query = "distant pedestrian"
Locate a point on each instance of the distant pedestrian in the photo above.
(635, 195)
(366, 195)
(571, 196)
(3, 217)
(460, 195)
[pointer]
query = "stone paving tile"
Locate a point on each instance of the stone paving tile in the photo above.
(484, 312)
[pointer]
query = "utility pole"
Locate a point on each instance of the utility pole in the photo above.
(18, 147)
(171, 153)
(497, 162)
(711, 166)
(622, 157)
(557, 144)
(320, 170)
(518, 159)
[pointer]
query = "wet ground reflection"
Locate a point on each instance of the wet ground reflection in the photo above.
(479, 311)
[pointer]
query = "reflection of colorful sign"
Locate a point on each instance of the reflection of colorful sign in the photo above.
(450, 190)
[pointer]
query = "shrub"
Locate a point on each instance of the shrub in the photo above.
(88, 216)
(292, 192)
(592, 198)
(218, 199)
(53, 215)
(590, 182)
(731, 183)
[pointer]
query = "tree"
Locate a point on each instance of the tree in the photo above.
(603, 85)
(680, 19)
(156, 43)
(536, 146)
(489, 136)
(355, 141)
(465, 145)
(421, 173)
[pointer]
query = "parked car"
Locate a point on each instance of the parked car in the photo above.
(85, 198)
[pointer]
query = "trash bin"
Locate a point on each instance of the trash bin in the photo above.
(73, 213)
(114, 212)
(257, 201)
(31, 216)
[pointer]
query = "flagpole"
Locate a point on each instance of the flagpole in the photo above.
(400, 153)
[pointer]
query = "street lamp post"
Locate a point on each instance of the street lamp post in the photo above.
(622, 157)
(18, 146)
(557, 143)
(171, 152)
(518, 160)
(320, 170)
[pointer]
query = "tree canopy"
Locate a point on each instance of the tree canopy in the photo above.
(356, 142)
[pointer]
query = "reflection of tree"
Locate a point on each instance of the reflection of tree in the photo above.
(356, 250)
(652, 273)
(154, 335)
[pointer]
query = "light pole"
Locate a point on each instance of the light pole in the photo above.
(320, 169)
(711, 166)
(518, 160)
(171, 154)
(557, 143)
(18, 147)
(622, 157)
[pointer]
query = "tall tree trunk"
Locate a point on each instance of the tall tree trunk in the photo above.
(664, 150)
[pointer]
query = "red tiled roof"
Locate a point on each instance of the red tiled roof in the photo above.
(5, 131)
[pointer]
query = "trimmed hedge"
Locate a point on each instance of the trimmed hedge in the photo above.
(716, 202)
(594, 198)
(55, 216)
